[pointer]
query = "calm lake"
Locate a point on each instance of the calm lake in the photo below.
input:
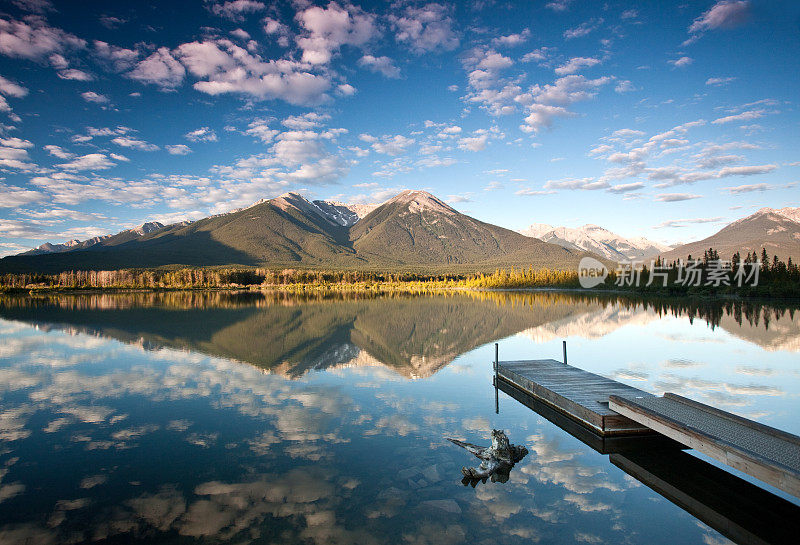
(253, 418)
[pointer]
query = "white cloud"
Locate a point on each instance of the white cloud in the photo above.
(34, 39)
(178, 149)
(119, 58)
(225, 67)
(13, 196)
(624, 86)
(57, 151)
(685, 222)
(160, 69)
(583, 29)
(676, 197)
(723, 14)
(587, 184)
(309, 120)
(559, 5)
(10, 88)
(475, 143)
(203, 134)
(346, 89)
(681, 62)
(260, 129)
(91, 96)
(75, 74)
(91, 161)
(744, 116)
(625, 188)
(133, 143)
(740, 189)
(512, 40)
(382, 65)
(235, 10)
(118, 157)
(425, 29)
(575, 64)
(327, 29)
(719, 81)
(392, 145)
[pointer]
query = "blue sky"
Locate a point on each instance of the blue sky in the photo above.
(650, 119)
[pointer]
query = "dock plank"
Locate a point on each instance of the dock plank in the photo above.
(579, 394)
(768, 454)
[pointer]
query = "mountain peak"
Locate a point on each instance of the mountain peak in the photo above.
(417, 201)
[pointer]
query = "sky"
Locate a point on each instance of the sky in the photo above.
(656, 119)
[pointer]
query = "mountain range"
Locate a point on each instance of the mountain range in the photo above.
(595, 239)
(414, 230)
(777, 231)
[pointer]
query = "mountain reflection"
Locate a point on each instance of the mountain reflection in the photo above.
(414, 335)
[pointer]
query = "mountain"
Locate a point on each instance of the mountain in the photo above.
(417, 228)
(594, 238)
(129, 234)
(414, 230)
(778, 231)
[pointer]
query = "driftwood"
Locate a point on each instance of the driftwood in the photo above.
(497, 459)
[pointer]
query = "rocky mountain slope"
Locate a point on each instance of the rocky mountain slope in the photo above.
(414, 230)
(777, 231)
(595, 239)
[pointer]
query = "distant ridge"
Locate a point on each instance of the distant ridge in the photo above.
(777, 231)
(414, 230)
(593, 238)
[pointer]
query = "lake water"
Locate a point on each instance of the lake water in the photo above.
(252, 418)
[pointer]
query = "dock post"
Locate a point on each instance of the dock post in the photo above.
(565, 352)
(496, 371)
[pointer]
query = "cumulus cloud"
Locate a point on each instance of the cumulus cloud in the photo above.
(91, 161)
(575, 64)
(392, 145)
(225, 67)
(235, 10)
(75, 74)
(91, 96)
(474, 143)
(685, 222)
(749, 188)
(625, 188)
(203, 134)
(583, 29)
(512, 40)
(381, 65)
(681, 62)
(57, 151)
(327, 29)
(676, 197)
(134, 143)
(744, 116)
(723, 14)
(118, 58)
(160, 69)
(719, 81)
(549, 101)
(34, 39)
(559, 5)
(10, 88)
(178, 149)
(588, 184)
(425, 29)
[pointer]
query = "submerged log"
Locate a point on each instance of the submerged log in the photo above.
(498, 459)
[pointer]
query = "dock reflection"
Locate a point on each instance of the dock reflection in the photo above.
(734, 507)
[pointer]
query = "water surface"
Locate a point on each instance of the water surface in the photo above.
(251, 418)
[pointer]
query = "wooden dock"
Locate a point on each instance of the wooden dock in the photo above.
(768, 454)
(609, 409)
(576, 393)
